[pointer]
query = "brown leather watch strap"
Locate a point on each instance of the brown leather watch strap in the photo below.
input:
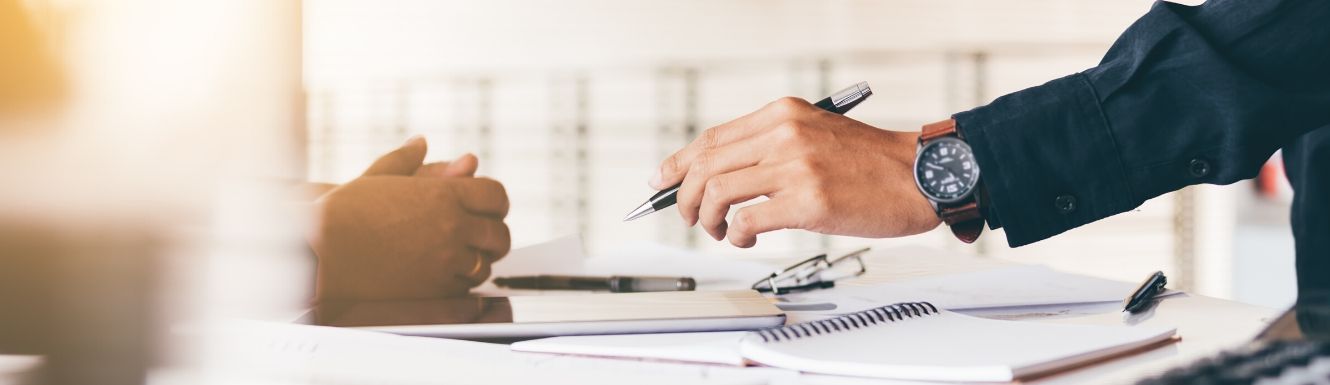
(965, 221)
(963, 213)
(968, 231)
(937, 130)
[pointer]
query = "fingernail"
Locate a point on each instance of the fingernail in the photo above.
(655, 180)
(414, 140)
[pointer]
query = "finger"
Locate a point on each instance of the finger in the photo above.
(480, 272)
(767, 216)
(466, 265)
(482, 196)
(728, 158)
(674, 167)
(463, 166)
(402, 161)
(726, 190)
(489, 236)
(435, 169)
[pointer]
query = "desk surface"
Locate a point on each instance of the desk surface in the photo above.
(1206, 325)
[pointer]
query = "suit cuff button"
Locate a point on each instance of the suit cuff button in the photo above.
(1199, 167)
(1065, 204)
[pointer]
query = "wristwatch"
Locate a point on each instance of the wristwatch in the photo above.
(946, 173)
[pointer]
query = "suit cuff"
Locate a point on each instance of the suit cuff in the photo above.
(1048, 159)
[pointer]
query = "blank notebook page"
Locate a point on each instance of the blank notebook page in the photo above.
(940, 345)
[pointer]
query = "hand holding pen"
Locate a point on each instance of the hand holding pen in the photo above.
(840, 103)
(823, 172)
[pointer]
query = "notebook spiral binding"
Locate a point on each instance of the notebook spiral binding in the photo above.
(847, 322)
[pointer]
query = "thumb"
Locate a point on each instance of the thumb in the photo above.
(402, 161)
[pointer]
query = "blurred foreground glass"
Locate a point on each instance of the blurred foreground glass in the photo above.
(138, 139)
(814, 273)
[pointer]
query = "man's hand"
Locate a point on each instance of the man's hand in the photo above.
(407, 230)
(823, 172)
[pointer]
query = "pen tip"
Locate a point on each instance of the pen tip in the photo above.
(639, 212)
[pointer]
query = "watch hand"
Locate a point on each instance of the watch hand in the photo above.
(932, 166)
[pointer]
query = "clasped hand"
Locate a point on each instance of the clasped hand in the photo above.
(409, 230)
(823, 172)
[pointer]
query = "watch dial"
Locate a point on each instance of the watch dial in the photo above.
(946, 170)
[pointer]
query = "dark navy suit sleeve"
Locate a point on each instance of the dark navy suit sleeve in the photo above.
(1307, 164)
(1186, 95)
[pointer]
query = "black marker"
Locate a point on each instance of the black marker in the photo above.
(1144, 295)
(840, 103)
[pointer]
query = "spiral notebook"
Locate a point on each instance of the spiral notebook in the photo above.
(914, 341)
(918, 341)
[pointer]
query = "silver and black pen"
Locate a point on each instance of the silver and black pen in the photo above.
(613, 284)
(840, 103)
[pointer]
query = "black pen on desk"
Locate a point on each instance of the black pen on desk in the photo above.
(1144, 295)
(839, 103)
(613, 284)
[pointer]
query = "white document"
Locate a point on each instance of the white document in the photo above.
(711, 272)
(714, 348)
(265, 352)
(1007, 287)
(563, 255)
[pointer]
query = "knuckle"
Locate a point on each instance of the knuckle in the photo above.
(806, 166)
(710, 138)
(788, 105)
(743, 222)
(671, 165)
(715, 188)
(700, 163)
(819, 202)
(742, 225)
(792, 132)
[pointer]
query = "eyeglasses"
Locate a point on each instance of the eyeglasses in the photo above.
(814, 273)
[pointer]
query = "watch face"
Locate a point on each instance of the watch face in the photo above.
(945, 170)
